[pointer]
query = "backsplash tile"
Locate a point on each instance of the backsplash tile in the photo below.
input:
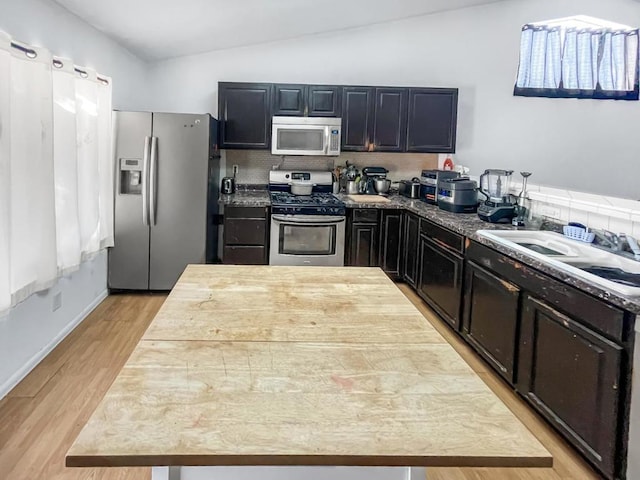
(596, 220)
(578, 216)
(254, 165)
(595, 211)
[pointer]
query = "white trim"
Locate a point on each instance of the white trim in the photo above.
(19, 375)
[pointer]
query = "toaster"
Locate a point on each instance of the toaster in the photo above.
(410, 188)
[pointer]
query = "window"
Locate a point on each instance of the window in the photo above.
(578, 57)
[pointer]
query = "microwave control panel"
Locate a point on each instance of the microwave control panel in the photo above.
(335, 139)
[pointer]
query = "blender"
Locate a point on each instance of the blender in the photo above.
(500, 205)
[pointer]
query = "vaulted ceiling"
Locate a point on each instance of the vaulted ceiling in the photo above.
(159, 29)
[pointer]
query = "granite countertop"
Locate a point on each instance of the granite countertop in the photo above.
(245, 197)
(466, 224)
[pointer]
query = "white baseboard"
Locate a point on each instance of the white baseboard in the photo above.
(17, 377)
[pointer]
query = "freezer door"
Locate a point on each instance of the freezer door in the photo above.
(178, 203)
(129, 258)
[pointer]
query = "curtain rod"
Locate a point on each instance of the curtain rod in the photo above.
(31, 53)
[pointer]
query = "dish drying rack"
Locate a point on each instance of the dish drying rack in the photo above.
(579, 232)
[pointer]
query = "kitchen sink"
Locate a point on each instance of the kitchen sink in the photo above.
(605, 268)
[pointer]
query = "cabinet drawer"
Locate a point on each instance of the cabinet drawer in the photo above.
(246, 212)
(442, 236)
(245, 231)
(244, 255)
(596, 314)
(365, 215)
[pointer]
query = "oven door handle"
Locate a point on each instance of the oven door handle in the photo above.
(320, 219)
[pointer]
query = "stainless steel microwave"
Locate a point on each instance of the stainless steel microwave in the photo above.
(306, 136)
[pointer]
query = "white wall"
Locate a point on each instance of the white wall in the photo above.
(46, 24)
(566, 143)
(32, 328)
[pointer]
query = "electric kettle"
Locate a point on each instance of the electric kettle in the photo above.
(228, 186)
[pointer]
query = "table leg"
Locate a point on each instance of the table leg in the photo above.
(288, 473)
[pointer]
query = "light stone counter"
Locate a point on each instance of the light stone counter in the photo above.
(307, 366)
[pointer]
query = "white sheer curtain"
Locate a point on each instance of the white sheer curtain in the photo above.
(56, 179)
(32, 212)
(66, 165)
(5, 172)
(578, 62)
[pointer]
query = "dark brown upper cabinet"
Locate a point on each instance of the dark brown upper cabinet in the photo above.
(245, 115)
(432, 121)
(380, 119)
(306, 100)
(289, 100)
(374, 119)
(358, 105)
(390, 119)
(324, 101)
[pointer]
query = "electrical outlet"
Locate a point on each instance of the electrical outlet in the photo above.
(57, 301)
(235, 170)
(549, 211)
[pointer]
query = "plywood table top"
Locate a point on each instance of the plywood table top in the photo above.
(298, 366)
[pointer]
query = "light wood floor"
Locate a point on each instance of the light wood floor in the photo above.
(41, 417)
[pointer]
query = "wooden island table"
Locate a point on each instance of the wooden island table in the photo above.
(261, 372)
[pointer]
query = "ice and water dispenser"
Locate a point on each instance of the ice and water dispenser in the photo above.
(130, 176)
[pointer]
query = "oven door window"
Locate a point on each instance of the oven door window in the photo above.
(307, 239)
(299, 139)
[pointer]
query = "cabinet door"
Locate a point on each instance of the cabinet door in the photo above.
(571, 375)
(432, 120)
(411, 253)
(323, 101)
(245, 113)
(289, 100)
(363, 245)
(391, 242)
(440, 280)
(491, 318)
(390, 119)
(357, 118)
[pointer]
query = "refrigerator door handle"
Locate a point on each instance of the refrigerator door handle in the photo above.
(145, 181)
(153, 181)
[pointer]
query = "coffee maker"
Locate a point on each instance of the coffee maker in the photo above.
(500, 205)
(369, 176)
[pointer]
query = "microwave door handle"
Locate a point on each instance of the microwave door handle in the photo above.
(327, 139)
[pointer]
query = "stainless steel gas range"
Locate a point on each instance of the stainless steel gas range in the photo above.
(305, 229)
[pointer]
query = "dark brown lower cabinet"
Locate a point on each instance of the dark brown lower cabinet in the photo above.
(391, 242)
(362, 238)
(411, 237)
(246, 233)
(440, 279)
(491, 318)
(571, 375)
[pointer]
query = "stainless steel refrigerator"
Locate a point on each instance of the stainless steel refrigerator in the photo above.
(165, 199)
